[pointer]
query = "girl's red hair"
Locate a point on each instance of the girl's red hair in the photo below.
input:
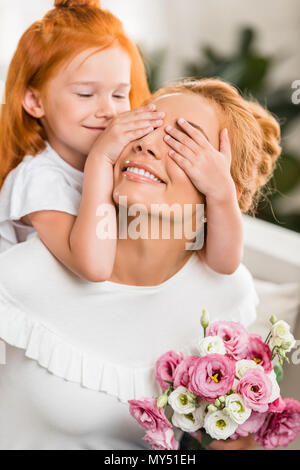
(70, 28)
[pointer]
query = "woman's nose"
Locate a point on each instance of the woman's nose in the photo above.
(146, 145)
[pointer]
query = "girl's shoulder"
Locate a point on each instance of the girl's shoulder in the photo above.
(41, 182)
(46, 161)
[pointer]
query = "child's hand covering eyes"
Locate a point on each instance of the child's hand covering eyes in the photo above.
(125, 128)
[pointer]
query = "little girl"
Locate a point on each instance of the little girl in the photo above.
(70, 87)
(74, 74)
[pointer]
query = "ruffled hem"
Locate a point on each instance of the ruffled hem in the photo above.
(65, 361)
(51, 351)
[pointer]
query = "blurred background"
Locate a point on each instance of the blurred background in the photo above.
(253, 44)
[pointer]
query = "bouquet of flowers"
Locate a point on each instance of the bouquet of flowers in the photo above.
(229, 389)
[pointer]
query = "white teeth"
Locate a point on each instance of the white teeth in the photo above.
(140, 171)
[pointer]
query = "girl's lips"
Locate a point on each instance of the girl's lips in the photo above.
(140, 178)
(98, 129)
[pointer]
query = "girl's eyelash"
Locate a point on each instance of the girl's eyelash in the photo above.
(88, 96)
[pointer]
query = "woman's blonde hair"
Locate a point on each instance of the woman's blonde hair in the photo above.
(253, 131)
(70, 28)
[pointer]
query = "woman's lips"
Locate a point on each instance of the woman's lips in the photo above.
(140, 178)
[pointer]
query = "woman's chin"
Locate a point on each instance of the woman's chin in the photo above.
(136, 193)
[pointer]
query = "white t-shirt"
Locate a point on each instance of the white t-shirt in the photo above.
(42, 182)
(78, 350)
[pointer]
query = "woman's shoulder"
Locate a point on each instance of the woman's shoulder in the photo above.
(241, 278)
(34, 264)
(235, 292)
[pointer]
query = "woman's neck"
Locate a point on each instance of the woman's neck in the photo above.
(148, 262)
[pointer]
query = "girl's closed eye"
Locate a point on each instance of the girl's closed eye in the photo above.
(84, 95)
(89, 95)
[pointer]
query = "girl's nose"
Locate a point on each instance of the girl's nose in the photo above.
(105, 109)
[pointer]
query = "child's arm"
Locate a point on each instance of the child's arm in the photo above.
(223, 249)
(73, 240)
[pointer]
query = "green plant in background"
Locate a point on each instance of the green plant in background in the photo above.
(251, 73)
(153, 64)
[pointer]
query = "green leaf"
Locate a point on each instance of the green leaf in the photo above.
(206, 439)
(279, 373)
(168, 382)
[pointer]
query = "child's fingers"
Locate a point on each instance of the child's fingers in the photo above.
(138, 133)
(182, 138)
(196, 134)
(148, 107)
(135, 112)
(142, 124)
(143, 115)
(180, 148)
(183, 162)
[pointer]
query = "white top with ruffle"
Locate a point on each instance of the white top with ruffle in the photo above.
(77, 350)
(42, 182)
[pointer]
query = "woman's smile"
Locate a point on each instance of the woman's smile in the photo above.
(141, 173)
(133, 175)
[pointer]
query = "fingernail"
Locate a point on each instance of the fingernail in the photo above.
(168, 128)
(181, 120)
(226, 131)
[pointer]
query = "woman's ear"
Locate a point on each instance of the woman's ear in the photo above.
(32, 103)
(238, 191)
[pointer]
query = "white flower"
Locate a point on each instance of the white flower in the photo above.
(237, 410)
(189, 422)
(211, 345)
(275, 387)
(243, 365)
(180, 400)
(281, 329)
(275, 342)
(218, 425)
(235, 384)
(286, 343)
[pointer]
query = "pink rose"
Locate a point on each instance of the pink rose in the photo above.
(162, 440)
(211, 376)
(255, 388)
(252, 425)
(182, 373)
(234, 336)
(257, 349)
(282, 428)
(277, 406)
(165, 368)
(148, 416)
